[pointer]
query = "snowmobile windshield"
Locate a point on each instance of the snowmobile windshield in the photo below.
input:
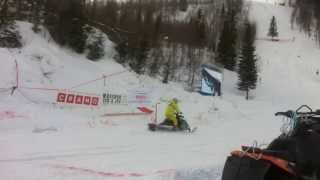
(289, 121)
(288, 125)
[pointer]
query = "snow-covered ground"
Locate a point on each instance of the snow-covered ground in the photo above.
(79, 143)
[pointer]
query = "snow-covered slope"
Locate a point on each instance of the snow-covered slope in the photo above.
(82, 144)
(288, 68)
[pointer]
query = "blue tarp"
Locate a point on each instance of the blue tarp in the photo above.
(211, 82)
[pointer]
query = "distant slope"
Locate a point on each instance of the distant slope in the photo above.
(288, 68)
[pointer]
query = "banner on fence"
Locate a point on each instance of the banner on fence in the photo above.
(78, 99)
(114, 99)
(139, 96)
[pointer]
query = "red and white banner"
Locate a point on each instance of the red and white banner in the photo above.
(79, 99)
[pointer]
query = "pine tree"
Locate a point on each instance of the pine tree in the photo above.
(76, 37)
(123, 51)
(247, 73)
(9, 35)
(139, 55)
(273, 32)
(65, 22)
(96, 49)
(227, 43)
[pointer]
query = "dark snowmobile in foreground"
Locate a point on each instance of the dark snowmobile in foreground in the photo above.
(294, 155)
(167, 125)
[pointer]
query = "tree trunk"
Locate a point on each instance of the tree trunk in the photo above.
(247, 94)
(19, 9)
(37, 4)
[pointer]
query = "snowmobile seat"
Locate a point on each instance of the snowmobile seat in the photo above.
(166, 122)
(280, 154)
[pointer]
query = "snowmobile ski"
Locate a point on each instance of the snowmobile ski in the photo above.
(167, 128)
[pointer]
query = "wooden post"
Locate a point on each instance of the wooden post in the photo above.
(104, 80)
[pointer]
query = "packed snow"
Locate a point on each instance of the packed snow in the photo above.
(41, 139)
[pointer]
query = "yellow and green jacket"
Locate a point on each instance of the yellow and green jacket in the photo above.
(171, 111)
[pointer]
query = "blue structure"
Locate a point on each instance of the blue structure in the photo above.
(211, 81)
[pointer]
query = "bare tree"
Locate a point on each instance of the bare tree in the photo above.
(192, 65)
(3, 11)
(38, 6)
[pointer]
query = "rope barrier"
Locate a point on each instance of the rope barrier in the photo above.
(88, 82)
(26, 97)
(18, 87)
(100, 78)
(60, 90)
(276, 39)
(2, 90)
(44, 89)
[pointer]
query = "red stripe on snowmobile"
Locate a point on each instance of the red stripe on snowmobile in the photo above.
(281, 163)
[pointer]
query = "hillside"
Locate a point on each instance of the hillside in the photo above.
(78, 142)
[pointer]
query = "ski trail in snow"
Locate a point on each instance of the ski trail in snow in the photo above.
(210, 173)
(85, 152)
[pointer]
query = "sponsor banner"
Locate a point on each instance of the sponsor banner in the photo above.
(139, 96)
(114, 99)
(79, 99)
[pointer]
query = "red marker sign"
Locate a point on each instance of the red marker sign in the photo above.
(70, 98)
(95, 101)
(61, 97)
(87, 100)
(77, 99)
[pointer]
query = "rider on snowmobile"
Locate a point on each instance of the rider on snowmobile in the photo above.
(171, 112)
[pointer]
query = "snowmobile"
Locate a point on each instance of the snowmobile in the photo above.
(294, 155)
(167, 125)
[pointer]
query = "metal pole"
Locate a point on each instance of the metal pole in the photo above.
(17, 74)
(156, 115)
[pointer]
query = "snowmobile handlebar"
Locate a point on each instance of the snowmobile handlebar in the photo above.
(290, 114)
(309, 113)
(286, 114)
